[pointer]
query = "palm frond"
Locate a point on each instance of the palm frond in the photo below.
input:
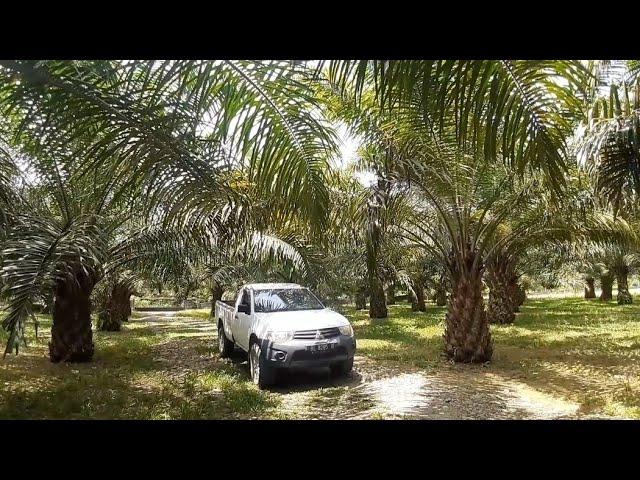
(520, 111)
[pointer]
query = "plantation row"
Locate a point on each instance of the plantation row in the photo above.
(126, 177)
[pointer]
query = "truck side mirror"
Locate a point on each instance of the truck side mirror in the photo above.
(244, 309)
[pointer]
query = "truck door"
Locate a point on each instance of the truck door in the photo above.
(242, 320)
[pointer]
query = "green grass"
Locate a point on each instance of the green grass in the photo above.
(406, 337)
(128, 380)
(202, 313)
(587, 352)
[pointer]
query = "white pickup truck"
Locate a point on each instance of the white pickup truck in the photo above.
(284, 325)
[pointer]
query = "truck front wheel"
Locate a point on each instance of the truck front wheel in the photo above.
(262, 374)
(342, 368)
(225, 346)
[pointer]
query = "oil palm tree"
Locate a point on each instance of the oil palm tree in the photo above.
(575, 222)
(112, 300)
(173, 133)
(61, 248)
(40, 256)
(608, 143)
(454, 121)
(616, 264)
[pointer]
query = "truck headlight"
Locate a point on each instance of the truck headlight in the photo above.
(280, 336)
(346, 330)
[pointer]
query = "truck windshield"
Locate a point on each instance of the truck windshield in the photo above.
(285, 299)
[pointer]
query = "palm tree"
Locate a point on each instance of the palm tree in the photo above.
(607, 278)
(112, 300)
(453, 121)
(609, 141)
(590, 284)
(621, 267)
(174, 131)
(617, 263)
(574, 222)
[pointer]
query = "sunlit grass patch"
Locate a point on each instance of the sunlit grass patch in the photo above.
(200, 313)
(579, 349)
(226, 390)
(406, 336)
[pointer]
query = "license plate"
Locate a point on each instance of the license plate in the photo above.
(320, 347)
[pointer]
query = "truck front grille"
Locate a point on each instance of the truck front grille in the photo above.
(318, 334)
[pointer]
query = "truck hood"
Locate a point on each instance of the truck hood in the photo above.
(300, 320)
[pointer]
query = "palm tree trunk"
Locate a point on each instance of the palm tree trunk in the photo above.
(377, 304)
(501, 278)
(466, 336)
(71, 335)
(624, 297)
(606, 283)
(115, 309)
(520, 295)
(589, 287)
(417, 299)
(361, 299)
(216, 294)
(391, 294)
(440, 296)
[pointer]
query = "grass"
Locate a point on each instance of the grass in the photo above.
(128, 379)
(584, 351)
(202, 313)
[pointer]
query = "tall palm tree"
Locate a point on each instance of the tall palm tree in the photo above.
(454, 122)
(609, 141)
(175, 133)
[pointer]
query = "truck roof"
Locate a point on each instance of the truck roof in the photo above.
(271, 286)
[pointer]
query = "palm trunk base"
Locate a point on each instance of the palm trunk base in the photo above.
(589, 288)
(107, 323)
(417, 301)
(71, 335)
(606, 283)
(115, 308)
(467, 337)
(216, 294)
(441, 297)
(505, 294)
(391, 295)
(500, 309)
(377, 303)
(520, 297)
(624, 298)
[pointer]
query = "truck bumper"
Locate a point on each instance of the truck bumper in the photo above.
(294, 354)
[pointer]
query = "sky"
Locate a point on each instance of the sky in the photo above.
(349, 153)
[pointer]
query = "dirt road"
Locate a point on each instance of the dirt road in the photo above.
(372, 390)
